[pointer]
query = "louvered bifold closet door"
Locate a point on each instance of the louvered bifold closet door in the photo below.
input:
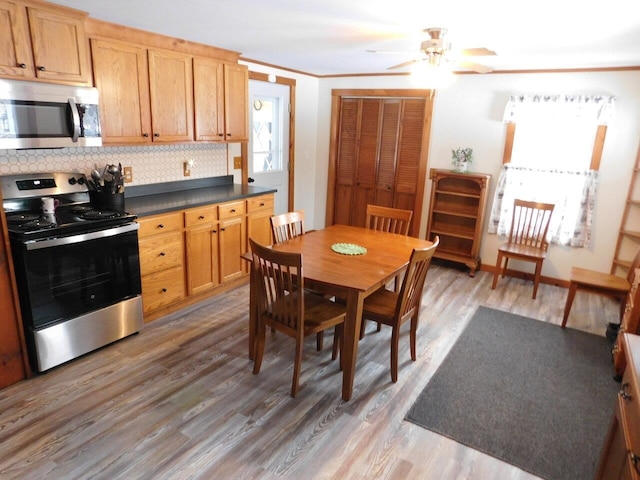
(409, 150)
(346, 159)
(386, 175)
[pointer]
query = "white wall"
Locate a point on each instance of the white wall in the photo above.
(469, 114)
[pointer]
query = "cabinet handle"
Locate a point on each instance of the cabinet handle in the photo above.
(164, 290)
(228, 134)
(162, 254)
(201, 217)
(623, 392)
(156, 135)
(222, 229)
(41, 68)
(214, 231)
(634, 459)
(22, 65)
(220, 135)
(262, 204)
(233, 210)
(145, 135)
(160, 225)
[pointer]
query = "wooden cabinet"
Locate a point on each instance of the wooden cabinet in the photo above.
(379, 157)
(236, 102)
(630, 323)
(233, 243)
(456, 215)
(161, 260)
(259, 212)
(171, 94)
(13, 365)
(45, 42)
(620, 457)
(202, 247)
(220, 93)
(121, 75)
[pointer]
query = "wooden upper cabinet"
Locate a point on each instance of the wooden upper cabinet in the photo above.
(208, 90)
(121, 75)
(221, 108)
(171, 92)
(236, 93)
(45, 42)
(16, 59)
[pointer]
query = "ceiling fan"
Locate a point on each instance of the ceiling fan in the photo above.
(436, 51)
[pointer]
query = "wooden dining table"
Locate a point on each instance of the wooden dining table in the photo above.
(352, 277)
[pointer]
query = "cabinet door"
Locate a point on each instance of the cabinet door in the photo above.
(232, 245)
(12, 368)
(59, 46)
(121, 75)
(208, 91)
(259, 226)
(409, 166)
(171, 92)
(236, 92)
(202, 258)
(15, 47)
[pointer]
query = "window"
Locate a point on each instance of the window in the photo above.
(553, 159)
(267, 141)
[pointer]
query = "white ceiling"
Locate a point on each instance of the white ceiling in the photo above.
(331, 37)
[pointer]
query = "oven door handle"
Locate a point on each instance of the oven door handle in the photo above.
(83, 237)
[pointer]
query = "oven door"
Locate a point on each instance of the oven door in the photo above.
(64, 278)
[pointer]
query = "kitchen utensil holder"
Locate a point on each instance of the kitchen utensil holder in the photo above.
(103, 200)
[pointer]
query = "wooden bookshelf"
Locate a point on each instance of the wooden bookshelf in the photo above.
(456, 215)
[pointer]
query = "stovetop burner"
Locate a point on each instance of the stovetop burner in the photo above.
(38, 224)
(21, 218)
(98, 214)
(81, 208)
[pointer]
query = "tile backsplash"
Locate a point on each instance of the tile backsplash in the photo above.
(150, 164)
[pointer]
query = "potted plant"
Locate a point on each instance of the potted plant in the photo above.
(461, 158)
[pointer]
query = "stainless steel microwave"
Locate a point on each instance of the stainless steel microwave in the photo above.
(46, 115)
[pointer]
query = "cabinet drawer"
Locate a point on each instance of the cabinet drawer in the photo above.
(231, 209)
(160, 252)
(256, 204)
(162, 289)
(200, 216)
(160, 224)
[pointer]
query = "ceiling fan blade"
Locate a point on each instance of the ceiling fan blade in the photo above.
(406, 64)
(476, 67)
(387, 52)
(476, 52)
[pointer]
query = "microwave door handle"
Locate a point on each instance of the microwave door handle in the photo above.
(75, 116)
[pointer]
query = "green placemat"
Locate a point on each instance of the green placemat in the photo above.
(348, 249)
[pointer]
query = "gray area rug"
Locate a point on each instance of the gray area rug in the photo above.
(526, 392)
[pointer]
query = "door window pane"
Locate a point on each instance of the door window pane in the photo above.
(266, 136)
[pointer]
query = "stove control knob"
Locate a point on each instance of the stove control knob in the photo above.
(72, 181)
(81, 181)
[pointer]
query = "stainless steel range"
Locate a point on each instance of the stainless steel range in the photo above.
(77, 267)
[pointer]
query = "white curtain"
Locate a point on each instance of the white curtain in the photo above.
(550, 162)
(572, 192)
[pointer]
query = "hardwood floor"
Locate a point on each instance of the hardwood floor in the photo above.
(179, 400)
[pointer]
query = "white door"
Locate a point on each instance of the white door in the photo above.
(269, 139)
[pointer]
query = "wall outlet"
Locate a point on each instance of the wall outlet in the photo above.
(186, 169)
(128, 174)
(237, 163)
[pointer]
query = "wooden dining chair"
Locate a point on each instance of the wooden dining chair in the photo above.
(600, 283)
(285, 305)
(287, 226)
(386, 219)
(396, 308)
(527, 239)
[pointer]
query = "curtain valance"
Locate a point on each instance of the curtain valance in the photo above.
(596, 108)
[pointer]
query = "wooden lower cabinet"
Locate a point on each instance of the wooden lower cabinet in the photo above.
(190, 254)
(233, 241)
(630, 323)
(161, 260)
(202, 249)
(620, 457)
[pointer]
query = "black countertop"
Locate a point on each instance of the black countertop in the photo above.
(153, 199)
